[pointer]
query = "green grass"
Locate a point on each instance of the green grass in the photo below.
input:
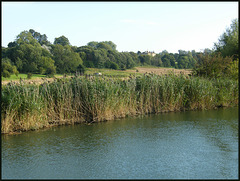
(110, 72)
(89, 71)
(155, 67)
(24, 76)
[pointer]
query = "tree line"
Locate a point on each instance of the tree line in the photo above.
(223, 60)
(31, 52)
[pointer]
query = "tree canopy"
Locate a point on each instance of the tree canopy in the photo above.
(227, 44)
(62, 40)
(31, 52)
(66, 60)
(223, 60)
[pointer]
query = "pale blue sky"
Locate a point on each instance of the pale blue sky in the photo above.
(132, 26)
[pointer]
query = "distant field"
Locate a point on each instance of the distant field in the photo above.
(111, 72)
(138, 71)
(160, 70)
(23, 76)
(37, 78)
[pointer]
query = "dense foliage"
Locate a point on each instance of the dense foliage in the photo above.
(31, 52)
(228, 41)
(7, 68)
(217, 66)
(224, 60)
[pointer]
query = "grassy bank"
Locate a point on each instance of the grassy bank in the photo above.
(22, 76)
(13, 77)
(93, 99)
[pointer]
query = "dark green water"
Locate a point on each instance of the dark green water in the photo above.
(185, 145)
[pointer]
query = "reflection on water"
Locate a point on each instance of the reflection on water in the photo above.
(186, 145)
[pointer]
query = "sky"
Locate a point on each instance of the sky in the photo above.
(132, 26)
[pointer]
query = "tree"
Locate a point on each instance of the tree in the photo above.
(145, 59)
(62, 40)
(129, 60)
(207, 51)
(114, 66)
(215, 66)
(93, 44)
(164, 52)
(104, 46)
(25, 53)
(25, 37)
(183, 62)
(83, 56)
(12, 44)
(4, 52)
(172, 60)
(182, 52)
(7, 68)
(66, 60)
(81, 69)
(111, 44)
(228, 41)
(87, 55)
(46, 66)
(233, 69)
(42, 39)
(168, 60)
(100, 57)
(27, 57)
(192, 62)
(134, 57)
(157, 60)
(114, 56)
(108, 45)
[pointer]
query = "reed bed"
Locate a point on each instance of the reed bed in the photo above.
(93, 99)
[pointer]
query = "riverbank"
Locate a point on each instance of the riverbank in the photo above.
(94, 99)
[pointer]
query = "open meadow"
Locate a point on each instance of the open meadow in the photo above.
(39, 79)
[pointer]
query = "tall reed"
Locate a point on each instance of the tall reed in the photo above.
(80, 99)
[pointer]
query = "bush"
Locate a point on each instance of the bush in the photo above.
(6, 74)
(50, 76)
(215, 66)
(81, 68)
(114, 66)
(7, 68)
(233, 69)
(15, 71)
(29, 75)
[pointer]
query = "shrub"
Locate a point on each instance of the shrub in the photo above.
(29, 75)
(114, 66)
(215, 66)
(81, 68)
(6, 74)
(7, 68)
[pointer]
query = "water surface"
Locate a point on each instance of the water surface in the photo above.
(183, 145)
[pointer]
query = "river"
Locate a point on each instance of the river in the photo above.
(175, 145)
